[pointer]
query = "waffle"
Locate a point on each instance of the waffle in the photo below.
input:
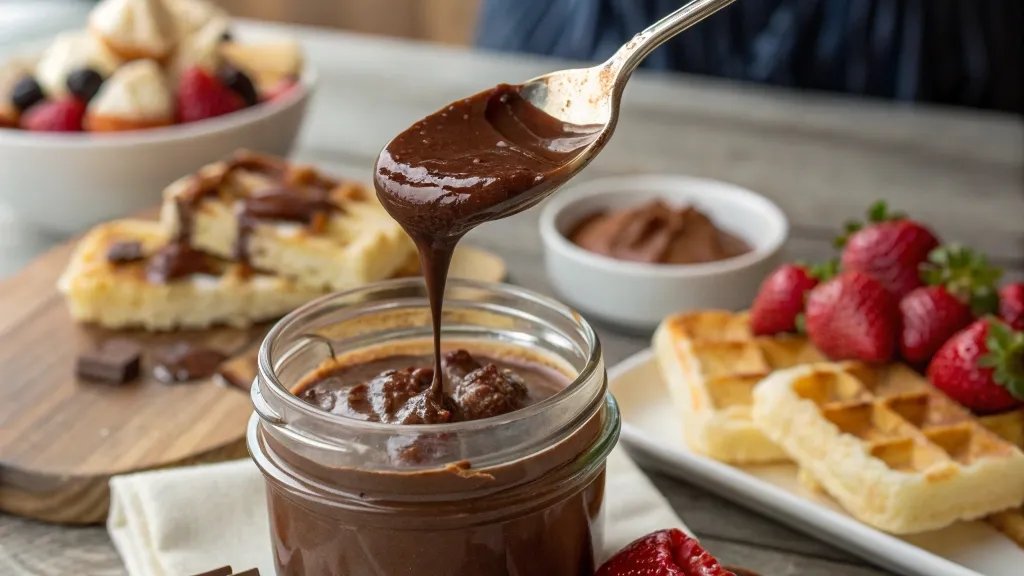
(894, 451)
(711, 361)
(350, 242)
(120, 295)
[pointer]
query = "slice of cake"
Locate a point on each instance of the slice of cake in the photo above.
(129, 273)
(288, 220)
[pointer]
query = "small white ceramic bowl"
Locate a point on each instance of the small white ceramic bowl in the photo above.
(638, 295)
(67, 182)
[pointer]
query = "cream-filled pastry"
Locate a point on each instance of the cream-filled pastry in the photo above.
(135, 29)
(71, 51)
(135, 97)
(193, 16)
(199, 49)
(266, 63)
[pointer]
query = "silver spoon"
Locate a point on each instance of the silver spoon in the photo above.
(590, 97)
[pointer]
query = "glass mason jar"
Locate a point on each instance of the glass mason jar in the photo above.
(519, 494)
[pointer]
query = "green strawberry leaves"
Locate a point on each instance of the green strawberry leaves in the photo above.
(965, 274)
(877, 213)
(1005, 357)
(824, 271)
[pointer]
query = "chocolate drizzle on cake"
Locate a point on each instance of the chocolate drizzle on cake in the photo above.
(279, 192)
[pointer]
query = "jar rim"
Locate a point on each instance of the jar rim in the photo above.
(269, 376)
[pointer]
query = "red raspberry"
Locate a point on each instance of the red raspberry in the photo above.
(202, 96)
(64, 115)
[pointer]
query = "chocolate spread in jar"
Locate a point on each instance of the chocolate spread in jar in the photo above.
(657, 233)
(482, 158)
(387, 390)
(453, 520)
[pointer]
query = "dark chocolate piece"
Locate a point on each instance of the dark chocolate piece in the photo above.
(184, 362)
(240, 371)
(116, 361)
(490, 391)
(125, 252)
(249, 572)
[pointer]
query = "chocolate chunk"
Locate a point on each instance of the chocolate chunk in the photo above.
(116, 361)
(490, 391)
(184, 362)
(326, 399)
(398, 397)
(222, 571)
(249, 572)
(240, 371)
(125, 252)
(457, 365)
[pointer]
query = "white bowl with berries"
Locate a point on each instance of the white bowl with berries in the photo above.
(95, 125)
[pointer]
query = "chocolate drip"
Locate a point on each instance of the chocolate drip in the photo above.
(309, 206)
(478, 159)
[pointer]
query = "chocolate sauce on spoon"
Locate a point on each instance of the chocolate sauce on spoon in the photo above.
(479, 159)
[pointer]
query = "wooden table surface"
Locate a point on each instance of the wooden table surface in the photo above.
(822, 159)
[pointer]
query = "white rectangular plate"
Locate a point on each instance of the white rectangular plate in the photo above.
(652, 427)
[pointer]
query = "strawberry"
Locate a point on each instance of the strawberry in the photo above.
(929, 316)
(202, 96)
(889, 249)
(982, 367)
(1011, 305)
(961, 286)
(64, 115)
(853, 317)
(663, 553)
(780, 299)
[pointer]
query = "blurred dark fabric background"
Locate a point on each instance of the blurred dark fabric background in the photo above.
(960, 52)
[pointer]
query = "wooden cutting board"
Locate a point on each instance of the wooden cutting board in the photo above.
(62, 439)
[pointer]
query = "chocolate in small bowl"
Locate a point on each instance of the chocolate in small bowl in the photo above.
(638, 295)
(520, 491)
(656, 232)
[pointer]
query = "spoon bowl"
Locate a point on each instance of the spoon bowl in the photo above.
(588, 99)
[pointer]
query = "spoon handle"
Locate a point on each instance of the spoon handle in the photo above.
(627, 58)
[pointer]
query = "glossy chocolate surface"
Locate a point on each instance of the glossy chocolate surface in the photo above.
(478, 159)
(657, 233)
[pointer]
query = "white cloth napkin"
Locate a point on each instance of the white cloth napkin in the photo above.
(183, 521)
